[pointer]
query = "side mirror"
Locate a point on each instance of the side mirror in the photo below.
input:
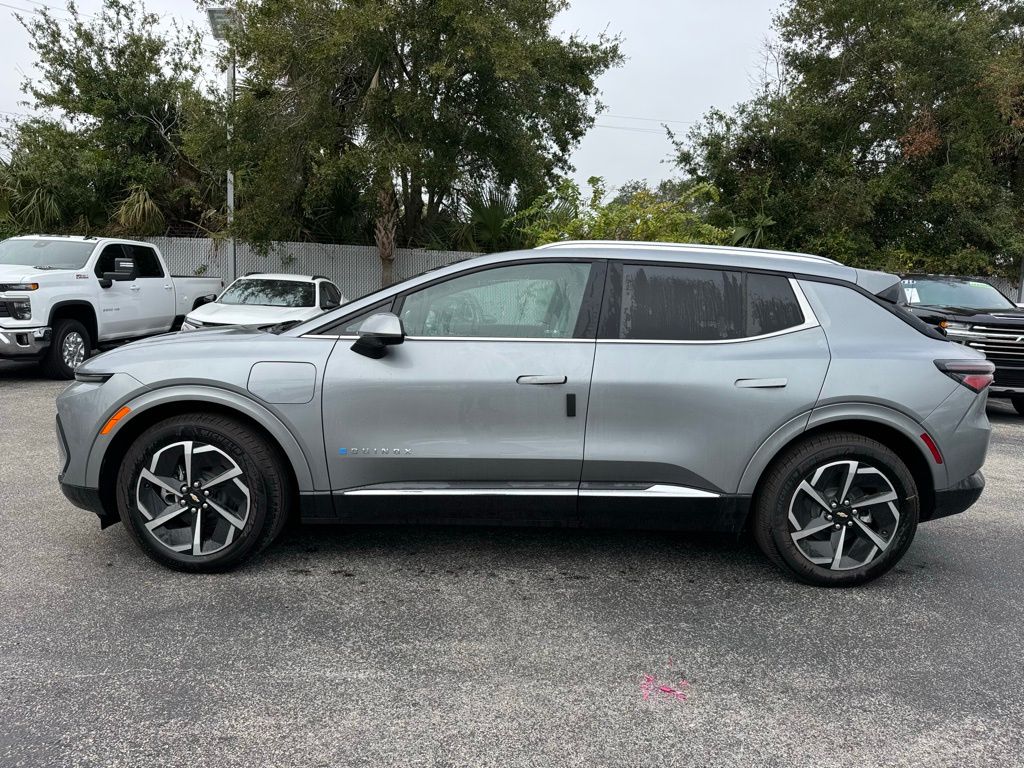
(377, 333)
(124, 271)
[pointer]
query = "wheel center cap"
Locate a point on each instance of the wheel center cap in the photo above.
(194, 498)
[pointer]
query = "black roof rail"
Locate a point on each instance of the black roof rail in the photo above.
(250, 274)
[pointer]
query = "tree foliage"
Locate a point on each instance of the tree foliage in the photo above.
(436, 96)
(114, 95)
(892, 137)
(637, 214)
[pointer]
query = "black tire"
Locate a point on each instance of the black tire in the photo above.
(263, 475)
(53, 363)
(779, 486)
(1018, 403)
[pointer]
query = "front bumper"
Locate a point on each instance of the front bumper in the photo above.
(23, 342)
(959, 498)
(89, 500)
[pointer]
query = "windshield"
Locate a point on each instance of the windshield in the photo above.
(46, 254)
(968, 294)
(270, 293)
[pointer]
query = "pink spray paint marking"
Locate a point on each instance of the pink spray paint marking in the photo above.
(651, 685)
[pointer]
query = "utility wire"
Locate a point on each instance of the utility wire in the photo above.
(650, 119)
(629, 128)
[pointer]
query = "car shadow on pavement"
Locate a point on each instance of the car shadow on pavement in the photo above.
(11, 371)
(572, 552)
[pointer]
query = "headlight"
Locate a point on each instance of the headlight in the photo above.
(954, 326)
(19, 286)
(21, 309)
(188, 325)
(92, 378)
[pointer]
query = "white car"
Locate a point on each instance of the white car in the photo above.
(261, 300)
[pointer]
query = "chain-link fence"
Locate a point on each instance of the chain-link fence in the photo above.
(1008, 288)
(356, 269)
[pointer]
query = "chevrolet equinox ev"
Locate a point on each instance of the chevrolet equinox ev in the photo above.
(590, 384)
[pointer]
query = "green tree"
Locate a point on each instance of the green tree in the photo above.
(337, 98)
(109, 156)
(892, 137)
(640, 214)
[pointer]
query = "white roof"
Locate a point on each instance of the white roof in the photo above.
(281, 276)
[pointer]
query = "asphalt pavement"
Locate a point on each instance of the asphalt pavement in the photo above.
(405, 646)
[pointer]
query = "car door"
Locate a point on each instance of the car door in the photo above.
(484, 401)
(695, 368)
(153, 289)
(120, 305)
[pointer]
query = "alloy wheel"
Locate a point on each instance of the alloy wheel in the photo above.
(844, 514)
(73, 350)
(194, 498)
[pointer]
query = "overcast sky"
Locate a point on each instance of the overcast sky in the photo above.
(683, 57)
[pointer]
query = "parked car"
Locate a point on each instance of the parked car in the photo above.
(715, 387)
(263, 300)
(61, 297)
(976, 314)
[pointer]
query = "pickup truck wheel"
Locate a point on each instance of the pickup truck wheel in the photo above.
(69, 348)
(1018, 403)
(837, 510)
(202, 492)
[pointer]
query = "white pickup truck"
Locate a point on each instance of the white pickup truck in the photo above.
(62, 297)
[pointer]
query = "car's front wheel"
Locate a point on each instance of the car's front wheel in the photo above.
(202, 492)
(837, 510)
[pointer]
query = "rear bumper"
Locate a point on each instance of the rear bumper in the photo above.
(959, 498)
(18, 343)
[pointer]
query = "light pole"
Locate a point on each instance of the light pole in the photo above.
(221, 20)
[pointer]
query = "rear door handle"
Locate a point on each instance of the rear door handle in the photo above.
(541, 380)
(761, 383)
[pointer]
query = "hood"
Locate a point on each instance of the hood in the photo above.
(17, 273)
(1009, 318)
(249, 314)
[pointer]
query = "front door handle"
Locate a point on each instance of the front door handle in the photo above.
(541, 380)
(135, 288)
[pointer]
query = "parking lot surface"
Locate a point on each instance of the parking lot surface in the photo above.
(497, 647)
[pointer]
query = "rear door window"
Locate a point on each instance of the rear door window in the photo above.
(676, 303)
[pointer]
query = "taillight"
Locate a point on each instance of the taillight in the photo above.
(976, 375)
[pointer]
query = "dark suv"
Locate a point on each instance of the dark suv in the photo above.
(977, 315)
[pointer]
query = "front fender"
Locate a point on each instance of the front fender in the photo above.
(146, 401)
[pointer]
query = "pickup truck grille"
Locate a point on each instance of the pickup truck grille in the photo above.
(998, 343)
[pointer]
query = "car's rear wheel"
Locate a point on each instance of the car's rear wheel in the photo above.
(70, 346)
(202, 492)
(1018, 403)
(837, 510)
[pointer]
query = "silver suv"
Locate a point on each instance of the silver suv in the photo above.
(591, 384)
